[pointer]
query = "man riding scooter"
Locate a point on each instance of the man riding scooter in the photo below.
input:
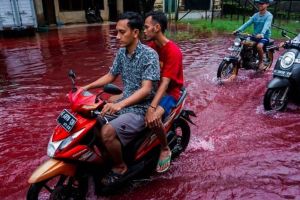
(262, 22)
(168, 93)
(139, 68)
(285, 84)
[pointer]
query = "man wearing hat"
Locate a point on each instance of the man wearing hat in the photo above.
(262, 21)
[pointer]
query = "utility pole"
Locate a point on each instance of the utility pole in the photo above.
(176, 9)
(212, 11)
(290, 7)
(170, 8)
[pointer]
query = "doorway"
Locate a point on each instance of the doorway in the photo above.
(113, 13)
(49, 12)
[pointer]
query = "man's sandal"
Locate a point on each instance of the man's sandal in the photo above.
(164, 165)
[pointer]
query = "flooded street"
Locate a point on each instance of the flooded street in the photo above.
(237, 150)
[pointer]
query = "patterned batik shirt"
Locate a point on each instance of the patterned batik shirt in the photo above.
(142, 65)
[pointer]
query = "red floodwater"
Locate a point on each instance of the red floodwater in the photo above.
(237, 150)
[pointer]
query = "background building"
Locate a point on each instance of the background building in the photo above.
(73, 11)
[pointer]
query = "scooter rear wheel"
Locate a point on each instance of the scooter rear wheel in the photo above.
(182, 135)
(227, 71)
(273, 99)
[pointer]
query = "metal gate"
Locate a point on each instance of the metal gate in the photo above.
(17, 14)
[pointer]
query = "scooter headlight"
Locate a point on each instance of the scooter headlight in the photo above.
(53, 146)
(65, 142)
(237, 42)
(50, 150)
(287, 60)
(68, 140)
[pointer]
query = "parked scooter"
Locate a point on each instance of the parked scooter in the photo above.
(92, 15)
(286, 76)
(244, 55)
(75, 153)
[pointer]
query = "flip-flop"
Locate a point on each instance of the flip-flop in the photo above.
(165, 162)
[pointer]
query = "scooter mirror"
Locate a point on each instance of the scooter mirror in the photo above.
(72, 74)
(112, 89)
(283, 33)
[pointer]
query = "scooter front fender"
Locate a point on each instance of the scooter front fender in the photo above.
(52, 168)
(231, 59)
(277, 82)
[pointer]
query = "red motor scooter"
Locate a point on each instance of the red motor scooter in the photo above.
(75, 153)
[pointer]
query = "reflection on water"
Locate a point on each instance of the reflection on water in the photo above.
(237, 150)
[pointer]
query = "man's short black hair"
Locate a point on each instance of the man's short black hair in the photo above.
(135, 20)
(160, 18)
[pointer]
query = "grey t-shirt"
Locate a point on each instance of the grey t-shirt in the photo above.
(143, 64)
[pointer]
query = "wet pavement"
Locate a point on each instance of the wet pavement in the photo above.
(237, 150)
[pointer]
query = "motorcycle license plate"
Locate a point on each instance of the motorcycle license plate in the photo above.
(66, 120)
(282, 73)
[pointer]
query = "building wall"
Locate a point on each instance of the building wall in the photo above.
(159, 5)
(39, 12)
(105, 13)
(79, 16)
(120, 7)
(76, 16)
(68, 17)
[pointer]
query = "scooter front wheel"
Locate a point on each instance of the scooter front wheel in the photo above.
(227, 71)
(57, 188)
(275, 99)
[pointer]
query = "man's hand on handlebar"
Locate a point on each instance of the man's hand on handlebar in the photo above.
(235, 32)
(110, 108)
